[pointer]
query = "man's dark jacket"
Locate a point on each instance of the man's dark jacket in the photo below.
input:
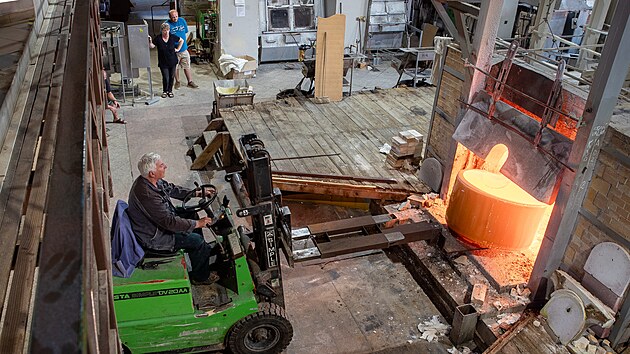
(153, 216)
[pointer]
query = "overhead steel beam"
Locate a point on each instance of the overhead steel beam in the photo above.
(481, 56)
(464, 7)
(602, 99)
(484, 41)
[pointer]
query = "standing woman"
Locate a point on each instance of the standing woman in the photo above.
(167, 45)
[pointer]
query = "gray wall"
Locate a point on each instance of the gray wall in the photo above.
(352, 9)
(238, 35)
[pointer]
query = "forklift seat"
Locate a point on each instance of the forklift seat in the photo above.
(159, 254)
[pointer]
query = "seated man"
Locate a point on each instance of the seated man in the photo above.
(156, 224)
(112, 103)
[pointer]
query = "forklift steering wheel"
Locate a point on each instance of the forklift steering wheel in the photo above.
(203, 202)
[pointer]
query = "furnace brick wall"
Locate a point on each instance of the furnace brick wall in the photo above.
(605, 212)
(447, 105)
(449, 94)
(441, 132)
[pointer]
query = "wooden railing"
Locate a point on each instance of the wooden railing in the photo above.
(55, 275)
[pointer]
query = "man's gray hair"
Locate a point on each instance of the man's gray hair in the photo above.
(147, 163)
(165, 26)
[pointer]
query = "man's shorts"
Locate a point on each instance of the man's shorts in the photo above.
(184, 59)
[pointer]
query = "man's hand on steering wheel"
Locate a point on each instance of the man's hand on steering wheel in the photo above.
(209, 191)
(203, 222)
(207, 194)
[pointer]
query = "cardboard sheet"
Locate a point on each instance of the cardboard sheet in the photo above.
(329, 58)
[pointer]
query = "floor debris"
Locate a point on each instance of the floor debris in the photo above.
(433, 329)
(505, 320)
(463, 350)
(588, 343)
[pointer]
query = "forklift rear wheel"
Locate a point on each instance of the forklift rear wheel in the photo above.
(266, 331)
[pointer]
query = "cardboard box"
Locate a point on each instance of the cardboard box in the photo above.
(231, 100)
(248, 72)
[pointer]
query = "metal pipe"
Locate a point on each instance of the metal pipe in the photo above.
(304, 157)
(564, 41)
(590, 29)
(238, 187)
(569, 47)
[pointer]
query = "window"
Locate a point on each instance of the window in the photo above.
(303, 17)
(279, 19)
(290, 15)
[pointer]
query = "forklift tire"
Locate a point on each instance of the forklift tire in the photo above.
(266, 331)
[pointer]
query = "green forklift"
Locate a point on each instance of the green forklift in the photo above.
(159, 310)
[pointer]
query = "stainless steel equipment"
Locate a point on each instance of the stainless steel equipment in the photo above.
(386, 24)
(139, 56)
(116, 54)
(285, 26)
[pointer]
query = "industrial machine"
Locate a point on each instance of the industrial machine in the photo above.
(159, 310)
(206, 25)
(287, 25)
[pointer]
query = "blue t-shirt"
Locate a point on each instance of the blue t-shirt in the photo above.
(179, 28)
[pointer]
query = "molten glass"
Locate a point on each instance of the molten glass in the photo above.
(490, 210)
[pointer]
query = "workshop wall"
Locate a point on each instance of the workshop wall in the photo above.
(605, 212)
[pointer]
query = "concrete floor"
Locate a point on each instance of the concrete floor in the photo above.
(358, 305)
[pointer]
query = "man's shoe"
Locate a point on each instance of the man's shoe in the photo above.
(177, 85)
(192, 84)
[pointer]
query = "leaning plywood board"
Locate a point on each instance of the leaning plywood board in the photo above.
(329, 60)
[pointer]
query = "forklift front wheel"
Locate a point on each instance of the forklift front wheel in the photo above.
(266, 331)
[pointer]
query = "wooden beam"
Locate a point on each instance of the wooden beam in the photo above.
(342, 177)
(339, 189)
(208, 152)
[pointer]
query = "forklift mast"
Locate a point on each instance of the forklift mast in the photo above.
(271, 222)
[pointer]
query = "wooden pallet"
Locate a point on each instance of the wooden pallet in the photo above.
(214, 145)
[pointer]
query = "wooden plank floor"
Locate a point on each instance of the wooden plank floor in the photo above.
(354, 128)
(23, 193)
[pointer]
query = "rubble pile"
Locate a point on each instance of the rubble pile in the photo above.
(589, 344)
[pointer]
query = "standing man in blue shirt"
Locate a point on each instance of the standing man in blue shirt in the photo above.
(179, 27)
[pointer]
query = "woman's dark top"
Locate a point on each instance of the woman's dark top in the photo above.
(167, 58)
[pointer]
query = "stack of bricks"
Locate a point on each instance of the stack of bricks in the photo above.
(406, 146)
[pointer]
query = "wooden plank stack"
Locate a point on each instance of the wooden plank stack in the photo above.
(406, 146)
